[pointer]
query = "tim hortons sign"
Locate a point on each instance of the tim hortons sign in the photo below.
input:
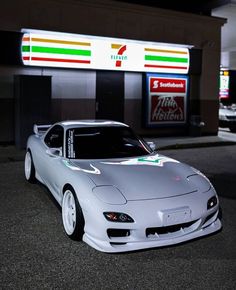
(166, 99)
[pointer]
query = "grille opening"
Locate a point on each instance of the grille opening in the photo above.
(231, 117)
(117, 233)
(117, 244)
(168, 229)
(209, 217)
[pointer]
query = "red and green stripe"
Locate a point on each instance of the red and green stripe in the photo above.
(56, 50)
(50, 59)
(166, 58)
(170, 60)
(34, 50)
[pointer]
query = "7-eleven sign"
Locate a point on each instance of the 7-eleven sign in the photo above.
(119, 54)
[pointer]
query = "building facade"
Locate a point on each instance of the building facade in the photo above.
(75, 92)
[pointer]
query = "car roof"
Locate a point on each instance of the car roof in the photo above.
(90, 123)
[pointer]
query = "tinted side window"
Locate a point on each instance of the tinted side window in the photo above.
(54, 138)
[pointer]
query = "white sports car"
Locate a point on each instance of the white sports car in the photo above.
(116, 193)
(227, 117)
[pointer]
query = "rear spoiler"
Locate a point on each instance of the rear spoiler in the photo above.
(40, 129)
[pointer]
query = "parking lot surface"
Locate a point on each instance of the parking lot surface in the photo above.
(35, 253)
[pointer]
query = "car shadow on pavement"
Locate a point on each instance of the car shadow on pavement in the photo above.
(49, 195)
(225, 185)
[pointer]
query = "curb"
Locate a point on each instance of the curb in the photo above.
(196, 145)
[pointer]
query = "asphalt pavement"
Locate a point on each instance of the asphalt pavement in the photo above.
(36, 254)
(224, 137)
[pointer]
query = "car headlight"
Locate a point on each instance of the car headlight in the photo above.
(118, 217)
(200, 181)
(212, 202)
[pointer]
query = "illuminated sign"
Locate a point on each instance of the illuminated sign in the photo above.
(165, 85)
(119, 57)
(54, 49)
(224, 84)
(166, 99)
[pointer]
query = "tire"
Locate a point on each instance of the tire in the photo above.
(29, 168)
(72, 215)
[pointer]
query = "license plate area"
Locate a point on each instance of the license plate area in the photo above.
(175, 216)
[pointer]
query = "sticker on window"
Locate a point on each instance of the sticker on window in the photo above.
(70, 144)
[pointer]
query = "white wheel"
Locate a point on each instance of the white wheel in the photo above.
(72, 216)
(29, 167)
(69, 212)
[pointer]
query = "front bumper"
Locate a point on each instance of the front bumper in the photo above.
(132, 245)
(159, 222)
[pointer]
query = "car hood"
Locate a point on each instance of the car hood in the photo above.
(148, 177)
(227, 112)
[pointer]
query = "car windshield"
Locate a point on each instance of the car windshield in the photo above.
(103, 142)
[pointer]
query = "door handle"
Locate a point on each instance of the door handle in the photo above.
(96, 106)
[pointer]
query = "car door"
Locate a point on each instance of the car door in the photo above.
(51, 159)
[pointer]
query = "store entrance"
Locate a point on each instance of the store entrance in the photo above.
(110, 95)
(32, 105)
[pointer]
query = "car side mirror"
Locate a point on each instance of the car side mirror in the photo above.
(152, 145)
(54, 152)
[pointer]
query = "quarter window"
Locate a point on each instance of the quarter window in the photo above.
(54, 138)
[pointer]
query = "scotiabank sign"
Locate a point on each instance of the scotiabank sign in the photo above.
(165, 85)
(166, 99)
